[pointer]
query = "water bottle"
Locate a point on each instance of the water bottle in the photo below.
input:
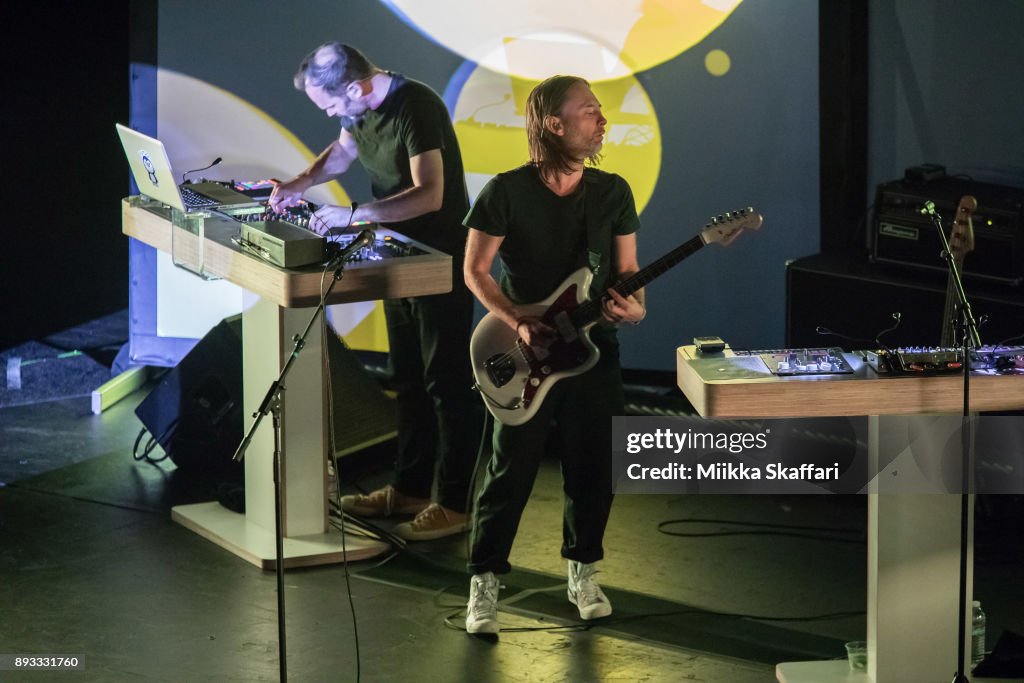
(977, 634)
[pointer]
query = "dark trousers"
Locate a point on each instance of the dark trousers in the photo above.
(438, 427)
(580, 410)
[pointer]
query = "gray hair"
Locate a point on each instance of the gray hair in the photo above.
(333, 66)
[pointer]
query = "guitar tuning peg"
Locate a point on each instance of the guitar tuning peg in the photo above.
(721, 218)
(714, 221)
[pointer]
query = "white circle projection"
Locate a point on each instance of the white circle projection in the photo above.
(595, 39)
(198, 122)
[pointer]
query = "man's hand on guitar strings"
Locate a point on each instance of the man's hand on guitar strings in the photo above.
(617, 308)
(534, 332)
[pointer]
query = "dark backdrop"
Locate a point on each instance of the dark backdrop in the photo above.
(64, 260)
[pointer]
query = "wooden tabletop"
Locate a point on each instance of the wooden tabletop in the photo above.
(727, 385)
(419, 275)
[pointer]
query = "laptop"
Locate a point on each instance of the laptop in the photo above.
(155, 178)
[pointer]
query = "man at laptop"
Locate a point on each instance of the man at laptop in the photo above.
(400, 131)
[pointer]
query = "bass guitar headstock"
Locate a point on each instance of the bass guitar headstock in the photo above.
(961, 237)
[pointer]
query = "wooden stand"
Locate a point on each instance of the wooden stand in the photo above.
(913, 540)
(277, 305)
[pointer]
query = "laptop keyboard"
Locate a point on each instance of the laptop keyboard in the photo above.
(194, 200)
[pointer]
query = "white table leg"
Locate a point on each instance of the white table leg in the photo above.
(268, 330)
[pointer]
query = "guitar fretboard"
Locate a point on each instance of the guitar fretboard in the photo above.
(590, 311)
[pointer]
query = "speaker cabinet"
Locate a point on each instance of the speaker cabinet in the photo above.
(853, 297)
(196, 414)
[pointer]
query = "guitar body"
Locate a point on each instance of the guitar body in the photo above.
(514, 378)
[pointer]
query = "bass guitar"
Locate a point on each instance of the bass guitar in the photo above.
(961, 243)
(513, 377)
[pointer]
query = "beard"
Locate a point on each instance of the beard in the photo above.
(591, 153)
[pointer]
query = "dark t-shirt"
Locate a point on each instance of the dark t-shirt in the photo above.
(546, 235)
(412, 120)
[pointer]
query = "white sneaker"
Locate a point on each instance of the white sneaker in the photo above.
(482, 609)
(585, 593)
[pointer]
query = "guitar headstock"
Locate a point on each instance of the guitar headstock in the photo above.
(961, 237)
(725, 228)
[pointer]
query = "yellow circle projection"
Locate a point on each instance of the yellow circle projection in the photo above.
(596, 39)
(490, 122)
(717, 62)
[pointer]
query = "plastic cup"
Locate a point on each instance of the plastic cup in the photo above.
(857, 654)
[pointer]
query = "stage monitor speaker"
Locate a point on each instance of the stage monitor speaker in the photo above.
(196, 412)
(856, 298)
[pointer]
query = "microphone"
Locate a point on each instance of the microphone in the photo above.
(824, 331)
(898, 317)
(196, 170)
(365, 238)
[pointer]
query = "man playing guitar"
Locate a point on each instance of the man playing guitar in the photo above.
(545, 220)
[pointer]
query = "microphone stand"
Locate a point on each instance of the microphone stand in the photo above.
(272, 404)
(970, 338)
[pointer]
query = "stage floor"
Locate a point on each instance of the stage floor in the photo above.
(93, 566)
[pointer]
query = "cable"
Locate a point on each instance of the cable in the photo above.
(334, 461)
(698, 520)
(851, 238)
(449, 621)
(150, 445)
(1010, 339)
(133, 508)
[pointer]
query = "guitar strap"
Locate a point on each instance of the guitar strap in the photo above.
(591, 197)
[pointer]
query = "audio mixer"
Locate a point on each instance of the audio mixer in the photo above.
(789, 362)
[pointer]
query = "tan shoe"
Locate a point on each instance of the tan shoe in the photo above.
(436, 521)
(383, 503)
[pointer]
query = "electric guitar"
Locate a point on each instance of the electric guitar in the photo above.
(961, 243)
(513, 377)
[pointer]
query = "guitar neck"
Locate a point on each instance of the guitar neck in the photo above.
(591, 310)
(948, 338)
